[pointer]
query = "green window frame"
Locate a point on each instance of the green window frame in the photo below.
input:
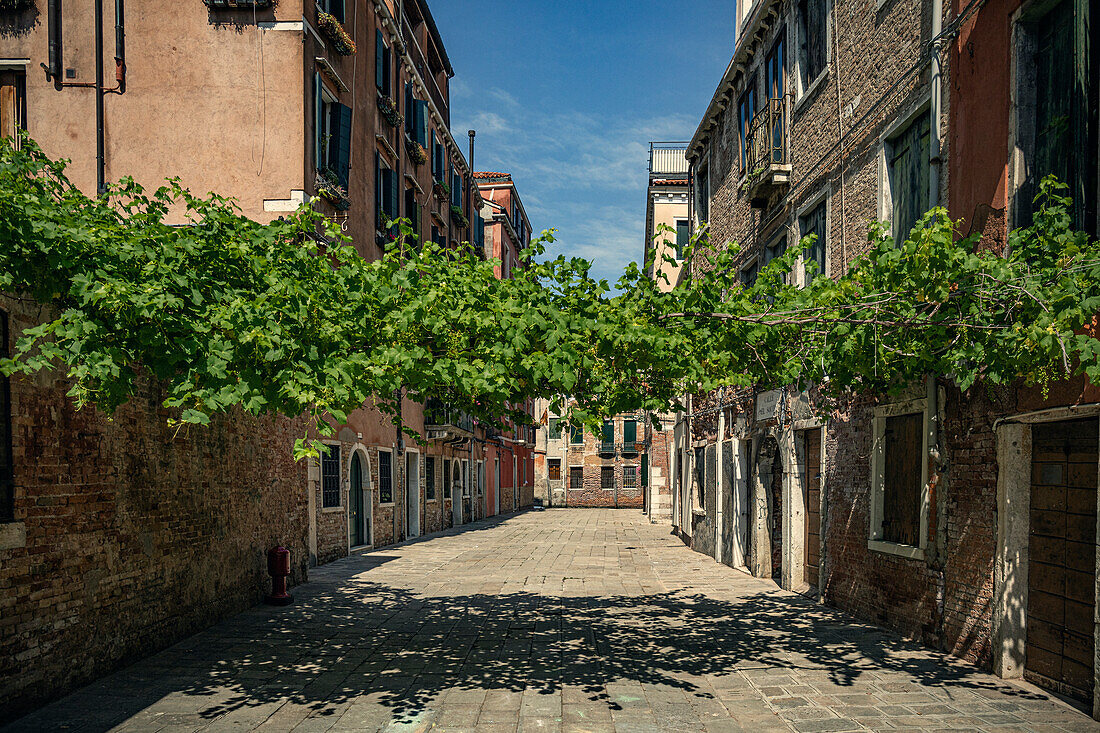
(907, 167)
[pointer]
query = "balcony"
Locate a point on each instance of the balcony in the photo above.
(445, 422)
(767, 154)
(668, 160)
(607, 449)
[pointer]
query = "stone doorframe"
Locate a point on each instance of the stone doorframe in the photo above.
(1010, 574)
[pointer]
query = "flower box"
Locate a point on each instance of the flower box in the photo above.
(330, 189)
(417, 154)
(335, 33)
(458, 217)
(442, 190)
(388, 108)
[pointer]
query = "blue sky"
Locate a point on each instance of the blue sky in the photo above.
(565, 95)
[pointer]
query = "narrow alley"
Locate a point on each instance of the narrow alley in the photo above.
(570, 620)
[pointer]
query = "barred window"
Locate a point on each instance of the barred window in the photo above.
(607, 477)
(330, 476)
(576, 477)
(385, 477)
(554, 469)
(630, 477)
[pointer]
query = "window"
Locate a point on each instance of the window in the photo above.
(446, 478)
(645, 470)
(813, 223)
(907, 175)
(748, 275)
(332, 138)
(439, 168)
(607, 477)
(385, 477)
(7, 463)
(435, 234)
(330, 476)
(382, 71)
(899, 472)
(630, 477)
(683, 237)
(776, 247)
(412, 211)
(553, 469)
(775, 84)
(702, 193)
(555, 428)
(456, 189)
(813, 37)
(429, 477)
(416, 117)
(1057, 88)
(13, 102)
(386, 192)
(335, 8)
(746, 110)
(576, 477)
(576, 435)
(608, 434)
(630, 432)
(465, 483)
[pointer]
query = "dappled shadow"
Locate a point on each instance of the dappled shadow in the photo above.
(351, 636)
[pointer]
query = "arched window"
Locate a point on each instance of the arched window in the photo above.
(7, 469)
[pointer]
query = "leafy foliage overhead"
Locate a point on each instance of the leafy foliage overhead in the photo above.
(287, 317)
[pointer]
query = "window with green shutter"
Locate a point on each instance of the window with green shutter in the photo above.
(907, 163)
(683, 237)
(382, 72)
(814, 256)
(645, 470)
(630, 431)
(608, 433)
(555, 428)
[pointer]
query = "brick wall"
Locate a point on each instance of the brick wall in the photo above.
(135, 535)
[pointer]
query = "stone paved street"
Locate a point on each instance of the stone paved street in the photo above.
(564, 620)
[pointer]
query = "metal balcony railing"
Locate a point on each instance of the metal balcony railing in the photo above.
(439, 414)
(668, 159)
(607, 448)
(767, 137)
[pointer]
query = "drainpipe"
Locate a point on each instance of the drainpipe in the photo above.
(934, 458)
(935, 87)
(100, 155)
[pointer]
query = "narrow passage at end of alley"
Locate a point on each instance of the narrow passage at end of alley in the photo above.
(599, 621)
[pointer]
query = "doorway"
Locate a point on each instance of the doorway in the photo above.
(412, 493)
(1062, 558)
(359, 505)
(811, 500)
(456, 493)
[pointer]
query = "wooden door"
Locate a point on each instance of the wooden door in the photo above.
(1062, 557)
(811, 493)
(355, 509)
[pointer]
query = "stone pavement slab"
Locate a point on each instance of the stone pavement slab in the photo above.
(562, 620)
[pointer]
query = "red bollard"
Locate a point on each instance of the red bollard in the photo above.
(278, 565)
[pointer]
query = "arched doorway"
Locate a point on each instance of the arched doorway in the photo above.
(358, 506)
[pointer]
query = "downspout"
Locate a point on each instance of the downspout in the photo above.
(840, 132)
(937, 499)
(100, 155)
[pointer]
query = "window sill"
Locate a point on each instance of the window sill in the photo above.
(384, 504)
(810, 90)
(331, 509)
(893, 548)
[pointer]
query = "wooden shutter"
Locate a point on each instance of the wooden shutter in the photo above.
(909, 176)
(902, 479)
(420, 131)
(645, 470)
(814, 258)
(13, 102)
(410, 121)
(318, 123)
(395, 196)
(630, 432)
(340, 145)
(378, 186)
(608, 432)
(380, 63)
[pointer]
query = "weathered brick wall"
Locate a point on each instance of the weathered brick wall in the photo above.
(895, 592)
(135, 536)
